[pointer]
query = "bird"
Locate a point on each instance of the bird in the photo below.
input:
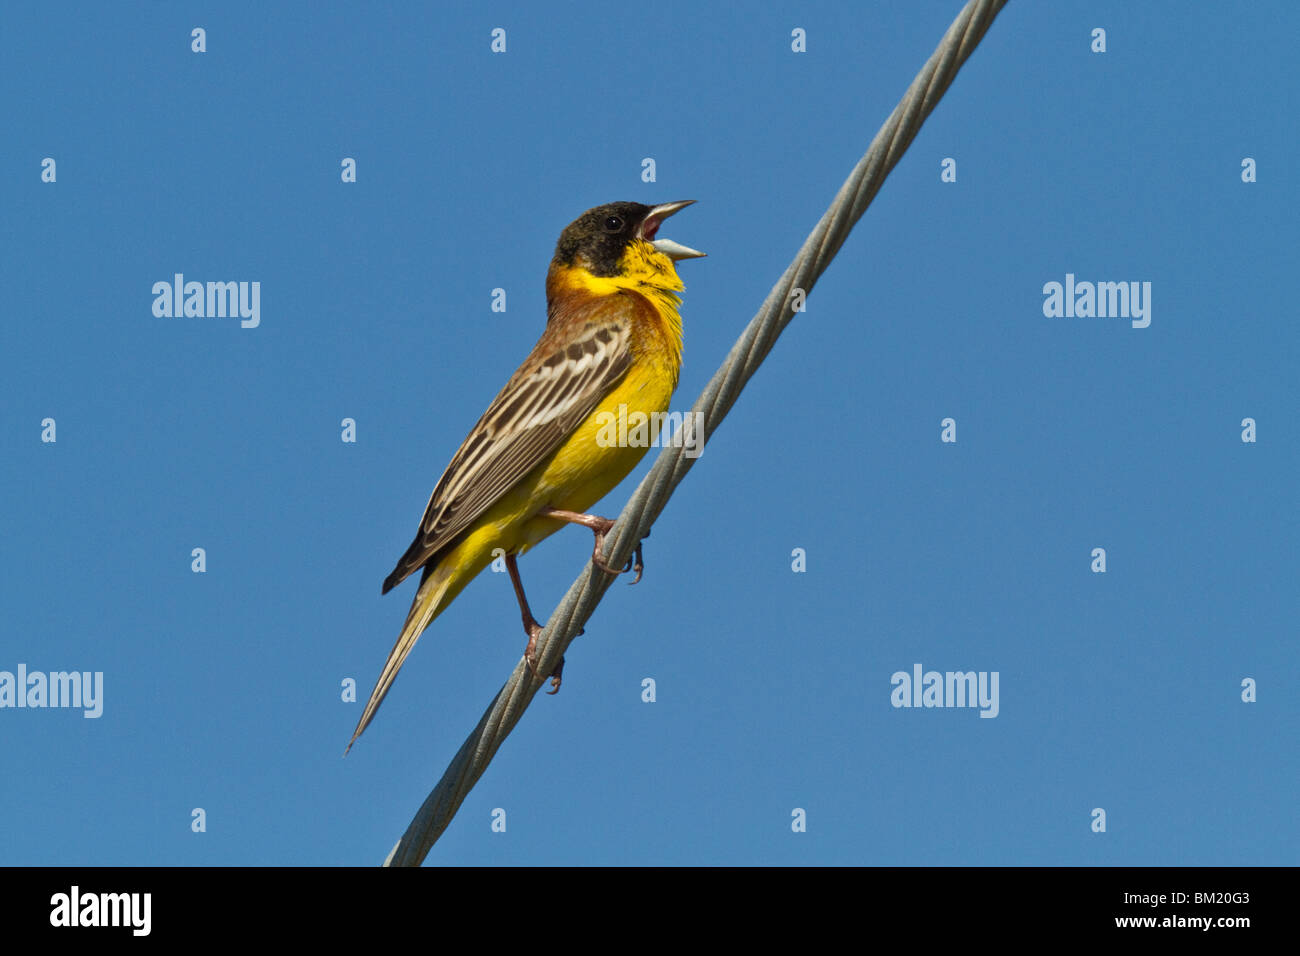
(536, 460)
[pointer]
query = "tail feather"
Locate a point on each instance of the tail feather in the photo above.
(429, 601)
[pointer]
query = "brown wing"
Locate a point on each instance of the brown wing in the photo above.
(557, 387)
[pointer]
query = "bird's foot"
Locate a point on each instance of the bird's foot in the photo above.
(600, 527)
(530, 659)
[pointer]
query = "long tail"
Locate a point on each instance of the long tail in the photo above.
(430, 599)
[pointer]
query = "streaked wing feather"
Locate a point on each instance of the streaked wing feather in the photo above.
(540, 406)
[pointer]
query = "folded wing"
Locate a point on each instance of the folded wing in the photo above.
(559, 385)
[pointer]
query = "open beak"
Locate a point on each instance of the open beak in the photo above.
(650, 226)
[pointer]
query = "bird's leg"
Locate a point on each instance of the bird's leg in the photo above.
(600, 527)
(531, 627)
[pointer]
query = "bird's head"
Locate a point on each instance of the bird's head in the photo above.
(620, 239)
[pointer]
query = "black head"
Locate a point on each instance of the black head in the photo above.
(599, 236)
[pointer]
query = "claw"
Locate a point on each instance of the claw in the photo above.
(639, 566)
(530, 660)
(555, 678)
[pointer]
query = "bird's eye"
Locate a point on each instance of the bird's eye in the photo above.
(613, 224)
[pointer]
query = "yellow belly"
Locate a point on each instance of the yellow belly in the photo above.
(582, 471)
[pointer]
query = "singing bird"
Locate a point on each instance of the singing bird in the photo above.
(534, 463)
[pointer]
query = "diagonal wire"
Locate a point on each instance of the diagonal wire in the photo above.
(719, 395)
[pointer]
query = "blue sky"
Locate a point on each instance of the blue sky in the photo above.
(1118, 690)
